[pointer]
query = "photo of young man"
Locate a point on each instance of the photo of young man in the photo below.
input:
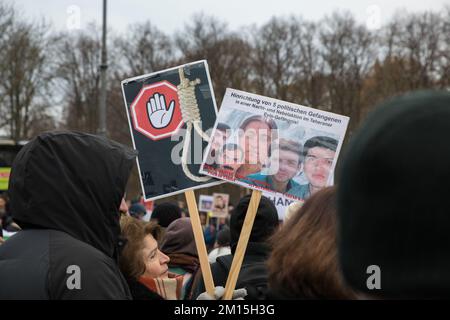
(318, 156)
(230, 159)
(221, 134)
(285, 164)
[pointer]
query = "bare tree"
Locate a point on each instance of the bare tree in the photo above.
(310, 83)
(25, 76)
(417, 40)
(78, 60)
(227, 52)
(276, 56)
(144, 49)
(348, 50)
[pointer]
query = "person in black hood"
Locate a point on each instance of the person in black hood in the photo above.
(65, 191)
(253, 273)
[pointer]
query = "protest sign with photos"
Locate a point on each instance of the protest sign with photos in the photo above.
(170, 113)
(220, 205)
(205, 203)
(275, 146)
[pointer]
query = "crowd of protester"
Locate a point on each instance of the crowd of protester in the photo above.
(386, 211)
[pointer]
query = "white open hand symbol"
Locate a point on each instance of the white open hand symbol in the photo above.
(158, 115)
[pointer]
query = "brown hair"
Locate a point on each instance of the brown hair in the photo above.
(304, 262)
(288, 145)
(134, 231)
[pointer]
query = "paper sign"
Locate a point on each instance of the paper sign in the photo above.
(170, 114)
(274, 146)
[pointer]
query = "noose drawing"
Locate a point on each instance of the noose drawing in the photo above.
(191, 116)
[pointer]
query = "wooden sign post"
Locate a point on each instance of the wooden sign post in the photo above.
(242, 244)
(200, 242)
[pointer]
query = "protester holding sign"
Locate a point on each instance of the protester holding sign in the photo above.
(253, 274)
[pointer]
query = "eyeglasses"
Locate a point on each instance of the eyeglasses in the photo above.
(311, 159)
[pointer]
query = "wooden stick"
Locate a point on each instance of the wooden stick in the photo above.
(200, 242)
(242, 244)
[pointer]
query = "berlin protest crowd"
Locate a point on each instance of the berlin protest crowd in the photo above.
(381, 232)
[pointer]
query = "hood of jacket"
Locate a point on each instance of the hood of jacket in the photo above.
(72, 182)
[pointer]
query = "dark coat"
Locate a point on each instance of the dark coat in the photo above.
(255, 253)
(65, 191)
(140, 292)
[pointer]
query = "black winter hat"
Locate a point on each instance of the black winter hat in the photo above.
(223, 237)
(266, 220)
(392, 199)
(166, 213)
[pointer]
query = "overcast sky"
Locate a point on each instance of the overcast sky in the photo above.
(170, 15)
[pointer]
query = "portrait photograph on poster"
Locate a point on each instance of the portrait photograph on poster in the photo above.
(275, 146)
(220, 205)
(205, 203)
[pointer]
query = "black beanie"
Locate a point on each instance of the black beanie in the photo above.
(165, 213)
(266, 220)
(223, 237)
(392, 194)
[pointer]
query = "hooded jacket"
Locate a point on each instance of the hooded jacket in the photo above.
(65, 190)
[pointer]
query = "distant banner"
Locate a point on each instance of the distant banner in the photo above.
(4, 178)
(170, 114)
(205, 203)
(275, 146)
(220, 205)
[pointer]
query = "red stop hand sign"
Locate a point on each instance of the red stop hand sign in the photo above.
(156, 111)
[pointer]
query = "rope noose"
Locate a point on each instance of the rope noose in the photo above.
(192, 118)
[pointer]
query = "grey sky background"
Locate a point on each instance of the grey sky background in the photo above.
(171, 15)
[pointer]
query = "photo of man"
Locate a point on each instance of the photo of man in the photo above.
(285, 164)
(220, 207)
(318, 156)
(221, 134)
(230, 159)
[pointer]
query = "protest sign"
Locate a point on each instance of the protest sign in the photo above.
(244, 236)
(280, 202)
(167, 110)
(274, 146)
(205, 203)
(220, 205)
(163, 108)
(4, 178)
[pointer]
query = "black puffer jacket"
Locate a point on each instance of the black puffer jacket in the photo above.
(65, 190)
